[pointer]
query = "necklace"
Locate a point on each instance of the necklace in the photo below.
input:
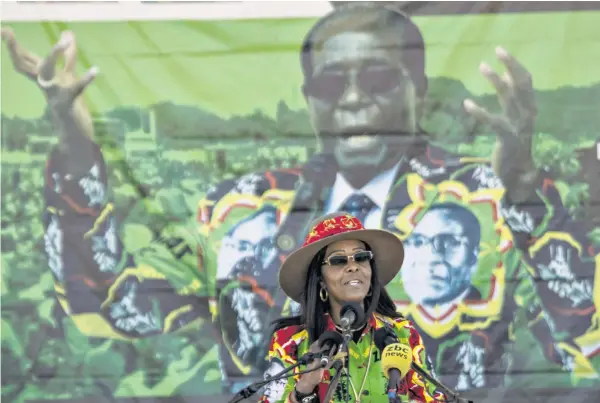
(362, 386)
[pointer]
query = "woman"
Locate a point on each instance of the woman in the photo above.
(342, 262)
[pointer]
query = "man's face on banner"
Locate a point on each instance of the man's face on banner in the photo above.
(360, 97)
(247, 242)
(441, 257)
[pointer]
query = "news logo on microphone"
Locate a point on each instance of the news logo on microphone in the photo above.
(398, 356)
(397, 350)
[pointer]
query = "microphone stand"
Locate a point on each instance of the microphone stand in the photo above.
(393, 394)
(347, 334)
(449, 392)
(337, 365)
(255, 387)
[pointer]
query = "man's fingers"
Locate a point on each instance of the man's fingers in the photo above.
(7, 34)
(502, 86)
(71, 53)
(519, 74)
(498, 122)
(83, 82)
(24, 61)
(477, 111)
(48, 65)
(520, 80)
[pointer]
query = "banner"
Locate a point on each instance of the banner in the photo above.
(149, 174)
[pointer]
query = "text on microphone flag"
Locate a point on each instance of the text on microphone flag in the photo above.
(396, 356)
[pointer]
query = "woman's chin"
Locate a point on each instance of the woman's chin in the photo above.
(355, 297)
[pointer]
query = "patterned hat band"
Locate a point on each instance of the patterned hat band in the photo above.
(333, 226)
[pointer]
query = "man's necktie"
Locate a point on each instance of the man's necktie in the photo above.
(358, 205)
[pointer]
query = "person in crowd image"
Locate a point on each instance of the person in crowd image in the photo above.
(474, 229)
(342, 262)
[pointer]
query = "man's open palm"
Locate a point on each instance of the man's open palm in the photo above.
(514, 127)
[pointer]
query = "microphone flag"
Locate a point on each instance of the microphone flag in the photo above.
(396, 356)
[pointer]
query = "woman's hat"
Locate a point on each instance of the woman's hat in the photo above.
(387, 249)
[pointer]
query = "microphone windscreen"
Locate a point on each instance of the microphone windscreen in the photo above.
(358, 311)
(384, 336)
(397, 356)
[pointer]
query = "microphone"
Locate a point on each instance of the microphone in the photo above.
(385, 339)
(396, 358)
(329, 343)
(351, 315)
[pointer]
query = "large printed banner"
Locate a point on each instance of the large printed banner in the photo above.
(142, 235)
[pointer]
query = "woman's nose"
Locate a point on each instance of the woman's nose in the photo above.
(352, 266)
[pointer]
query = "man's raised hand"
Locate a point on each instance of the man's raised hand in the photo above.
(61, 86)
(514, 127)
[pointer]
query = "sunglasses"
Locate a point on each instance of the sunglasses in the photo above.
(358, 257)
(331, 86)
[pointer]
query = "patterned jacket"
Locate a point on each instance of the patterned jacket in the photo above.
(364, 365)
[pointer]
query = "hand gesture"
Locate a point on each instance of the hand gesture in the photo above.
(559, 267)
(512, 157)
(249, 324)
(309, 381)
(61, 86)
(472, 373)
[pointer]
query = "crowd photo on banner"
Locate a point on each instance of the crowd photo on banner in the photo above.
(156, 174)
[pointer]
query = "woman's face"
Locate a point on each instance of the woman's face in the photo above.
(347, 281)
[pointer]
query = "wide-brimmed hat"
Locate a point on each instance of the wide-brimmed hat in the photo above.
(388, 252)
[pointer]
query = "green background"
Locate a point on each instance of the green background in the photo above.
(209, 87)
(235, 67)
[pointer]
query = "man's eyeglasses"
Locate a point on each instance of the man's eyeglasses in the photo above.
(330, 86)
(358, 257)
(443, 244)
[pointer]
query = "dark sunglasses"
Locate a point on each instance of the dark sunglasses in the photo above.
(372, 81)
(358, 257)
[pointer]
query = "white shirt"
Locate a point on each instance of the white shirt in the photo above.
(377, 189)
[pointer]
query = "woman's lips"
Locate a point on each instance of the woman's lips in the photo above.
(353, 282)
